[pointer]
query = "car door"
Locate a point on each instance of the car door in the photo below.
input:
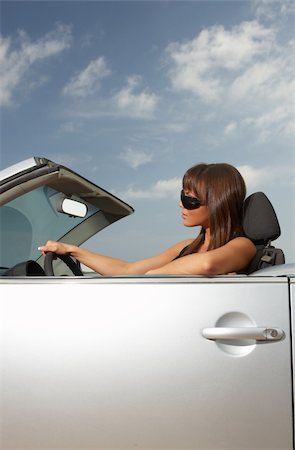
(127, 363)
(292, 297)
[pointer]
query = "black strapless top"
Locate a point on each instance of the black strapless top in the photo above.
(181, 253)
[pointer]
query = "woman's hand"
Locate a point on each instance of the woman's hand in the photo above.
(55, 247)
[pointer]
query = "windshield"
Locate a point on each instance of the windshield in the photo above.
(29, 221)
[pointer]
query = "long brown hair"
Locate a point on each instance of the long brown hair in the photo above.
(222, 188)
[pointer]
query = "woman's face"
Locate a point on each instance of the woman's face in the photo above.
(194, 217)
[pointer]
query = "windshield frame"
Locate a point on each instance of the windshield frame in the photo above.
(24, 181)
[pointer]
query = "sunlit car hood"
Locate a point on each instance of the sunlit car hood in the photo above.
(30, 192)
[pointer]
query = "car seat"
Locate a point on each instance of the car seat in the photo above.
(261, 225)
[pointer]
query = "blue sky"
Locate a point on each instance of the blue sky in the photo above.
(131, 94)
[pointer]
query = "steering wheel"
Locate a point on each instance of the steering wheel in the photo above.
(72, 265)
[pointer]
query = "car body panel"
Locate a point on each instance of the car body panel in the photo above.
(292, 319)
(121, 363)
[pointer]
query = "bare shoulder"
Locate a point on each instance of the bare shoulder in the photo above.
(242, 242)
(231, 257)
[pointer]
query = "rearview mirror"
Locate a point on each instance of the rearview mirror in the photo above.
(71, 207)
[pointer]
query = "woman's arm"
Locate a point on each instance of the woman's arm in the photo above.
(106, 265)
(231, 257)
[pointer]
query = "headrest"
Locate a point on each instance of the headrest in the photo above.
(260, 221)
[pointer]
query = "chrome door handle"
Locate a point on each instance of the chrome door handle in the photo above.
(255, 333)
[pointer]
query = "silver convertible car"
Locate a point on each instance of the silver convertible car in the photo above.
(136, 362)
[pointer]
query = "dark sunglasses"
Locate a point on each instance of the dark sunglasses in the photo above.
(190, 202)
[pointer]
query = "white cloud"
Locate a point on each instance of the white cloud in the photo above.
(245, 69)
(279, 121)
(136, 158)
(266, 91)
(161, 189)
(195, 65)
(253, 176)
(271, 9)
(230, 128)
(87, 81)
(255, 80)
(16, 58)
(258, 178)
(132, 104)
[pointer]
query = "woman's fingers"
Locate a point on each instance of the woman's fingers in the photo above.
(51, 246)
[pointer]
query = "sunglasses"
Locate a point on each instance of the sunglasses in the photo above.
(190, 202)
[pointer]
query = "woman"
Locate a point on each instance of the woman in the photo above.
(212, 197)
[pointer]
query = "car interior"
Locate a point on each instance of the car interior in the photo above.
(260, 224)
